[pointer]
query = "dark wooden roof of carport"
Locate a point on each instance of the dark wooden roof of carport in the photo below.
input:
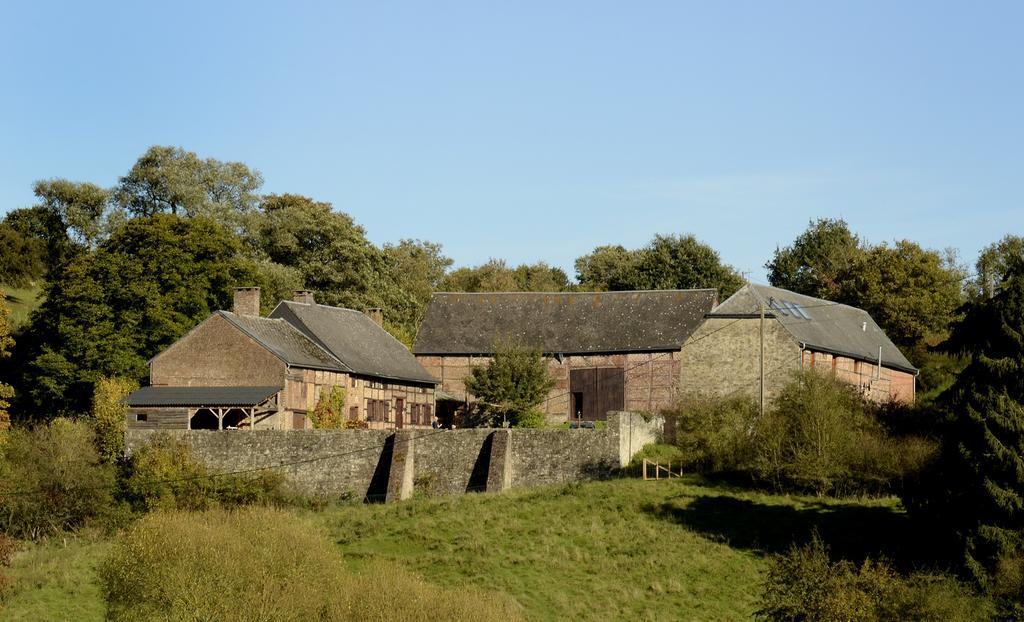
(563, 323)
(200, 396)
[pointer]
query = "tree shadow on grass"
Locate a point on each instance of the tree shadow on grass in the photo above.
(851, 531)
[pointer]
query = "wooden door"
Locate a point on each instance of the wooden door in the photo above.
(595, 391)
(399, 412)
(611, 393)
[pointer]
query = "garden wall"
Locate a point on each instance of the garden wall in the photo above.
(392, 464)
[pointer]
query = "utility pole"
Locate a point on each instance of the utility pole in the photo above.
(762, 358)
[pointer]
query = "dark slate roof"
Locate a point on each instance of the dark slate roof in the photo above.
(566, 323)
(355, 340)
(285, 341)
(820, 324)
(200, 396)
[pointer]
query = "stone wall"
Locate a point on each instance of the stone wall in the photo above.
(722, 358)
(390, 465)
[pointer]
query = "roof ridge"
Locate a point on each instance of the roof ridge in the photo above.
(622, 291)
(234, 319)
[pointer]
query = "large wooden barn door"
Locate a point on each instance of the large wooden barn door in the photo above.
(595, 391)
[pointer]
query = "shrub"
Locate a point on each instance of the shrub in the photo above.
(532, 418)
(715, 435)
(804, 584)
(264, 564)
(163, 475)
(822, 436)
(819, 436)
(329, 412)
(51, 479)
(256, 564)
(108, 415)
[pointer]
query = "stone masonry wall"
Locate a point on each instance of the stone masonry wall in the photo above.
(386, 465)
(722, 358)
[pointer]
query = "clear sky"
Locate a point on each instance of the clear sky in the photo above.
(539, 130)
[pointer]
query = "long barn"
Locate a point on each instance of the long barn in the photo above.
(606, 351)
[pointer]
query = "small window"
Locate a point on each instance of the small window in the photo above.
(142, 417)
(354, 382)
(353, 413)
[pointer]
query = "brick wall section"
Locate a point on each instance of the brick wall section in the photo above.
(216, 354)
(651, 378)
(722, 357)
(381, 463)
(877, 384)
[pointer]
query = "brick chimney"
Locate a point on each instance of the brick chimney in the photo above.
(303, 296)
(247, 301)
(377, 315)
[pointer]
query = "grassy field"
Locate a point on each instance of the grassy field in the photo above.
(22, 301)
(624, 549)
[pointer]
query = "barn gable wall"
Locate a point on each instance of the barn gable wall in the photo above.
(216, 353)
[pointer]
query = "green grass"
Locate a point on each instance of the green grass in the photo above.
(682, 549)
(22, 301)
(56, 580)
(624, 549)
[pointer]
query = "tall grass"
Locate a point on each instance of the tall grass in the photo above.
(264, 565)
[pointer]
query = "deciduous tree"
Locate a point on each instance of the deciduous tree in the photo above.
(172, 180)
(819, 260)
(993, 264)
(913, 293)
(667, 262)
(510, 387)
(110, 311)
(328, 249)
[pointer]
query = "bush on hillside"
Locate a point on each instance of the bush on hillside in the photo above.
(819, 436)
(822, 436)
(262, 564)
(108, 415)
(52, 479)
(715, 435)
(804, 584)
(163, 475)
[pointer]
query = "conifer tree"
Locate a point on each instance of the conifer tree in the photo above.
(977, 489)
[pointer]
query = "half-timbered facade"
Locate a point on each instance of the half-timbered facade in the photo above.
(239, 370)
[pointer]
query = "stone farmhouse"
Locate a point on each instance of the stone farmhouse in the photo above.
(607, 351)
(723, 356)
(239, 370)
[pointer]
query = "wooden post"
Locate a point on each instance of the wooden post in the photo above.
(761, 306)
(645, 469)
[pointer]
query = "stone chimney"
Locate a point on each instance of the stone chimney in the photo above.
(303, 296)
(247, 301)
(377, 315)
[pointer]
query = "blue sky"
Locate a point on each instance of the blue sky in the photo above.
(539, 130)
